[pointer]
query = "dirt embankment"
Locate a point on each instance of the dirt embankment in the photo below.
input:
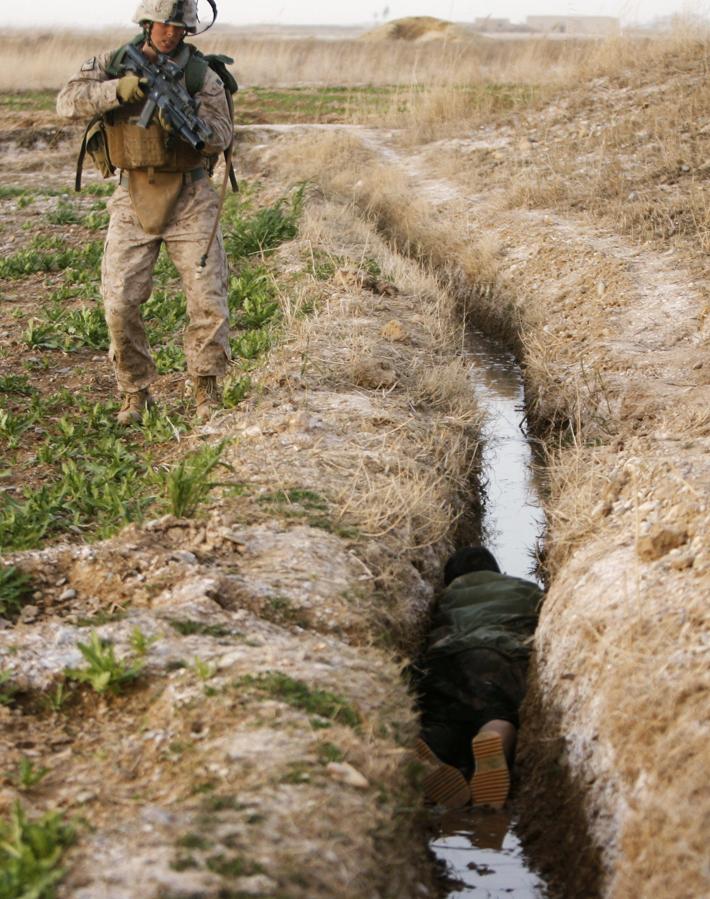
(609, 315)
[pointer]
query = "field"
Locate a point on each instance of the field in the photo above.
(204, 626)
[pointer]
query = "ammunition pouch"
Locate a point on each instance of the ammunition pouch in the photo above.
(154, 196)
(94, 143)
(132, 147)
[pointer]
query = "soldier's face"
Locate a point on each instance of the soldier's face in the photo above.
(166, 37)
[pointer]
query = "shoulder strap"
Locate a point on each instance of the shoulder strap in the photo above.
(114, 66)
(82, 152)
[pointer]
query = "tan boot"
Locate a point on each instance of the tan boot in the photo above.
(207, 396)
(133, 406)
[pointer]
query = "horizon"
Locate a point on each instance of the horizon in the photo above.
(319, 13)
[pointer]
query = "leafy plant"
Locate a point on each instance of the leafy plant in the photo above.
(30, 854)
(104, 671)
(236, 390)
(191, 480)
(251, 344)
(140, 643)
(28, 775)
(204, 670)
(57, 697)
(15, 588)
(263, 231)
(65, 213)
(17, 384)
(8, 690)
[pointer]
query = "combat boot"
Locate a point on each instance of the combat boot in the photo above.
(133, 406)
(207, 397)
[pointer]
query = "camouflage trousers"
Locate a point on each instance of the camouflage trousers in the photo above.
(127, 281)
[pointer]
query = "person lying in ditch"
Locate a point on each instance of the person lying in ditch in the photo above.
(471, 680)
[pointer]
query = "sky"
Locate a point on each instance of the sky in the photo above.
(89, 13)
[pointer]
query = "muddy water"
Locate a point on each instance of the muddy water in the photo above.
(478, 847)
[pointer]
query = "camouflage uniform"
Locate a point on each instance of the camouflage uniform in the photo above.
(130, 252)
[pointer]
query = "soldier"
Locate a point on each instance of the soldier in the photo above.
(164, 196)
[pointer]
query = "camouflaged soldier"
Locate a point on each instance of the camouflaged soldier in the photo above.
(164, 196)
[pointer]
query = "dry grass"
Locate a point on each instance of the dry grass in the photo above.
(39, 59)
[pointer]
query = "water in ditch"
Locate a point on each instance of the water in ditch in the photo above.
(479, 848)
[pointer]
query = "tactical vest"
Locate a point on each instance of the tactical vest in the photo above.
(115, 141)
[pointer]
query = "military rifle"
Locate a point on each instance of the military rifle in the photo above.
(165, 93)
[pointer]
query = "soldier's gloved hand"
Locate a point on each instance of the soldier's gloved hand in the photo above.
(129, 89)
(164, 123)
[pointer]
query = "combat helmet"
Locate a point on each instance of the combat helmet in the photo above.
(169, 12)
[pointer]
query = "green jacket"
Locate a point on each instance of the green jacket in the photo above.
(488, 610)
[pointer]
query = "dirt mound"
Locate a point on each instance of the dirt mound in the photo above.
(418, 29)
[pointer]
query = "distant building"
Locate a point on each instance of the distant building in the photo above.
(490, 24)
(582, 25)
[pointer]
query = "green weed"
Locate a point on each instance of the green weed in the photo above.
(189, 483)
(309, 499)
(140, 643)
(236, 866)
(204, 670)
(31, 853)
(28, 775)
(56, 699)
(99, 619)
(104, 672)
(295, 693)
(235, 391)
(252, 344)
(265, 230)
(12, 427)
(65, 213)
(15, 588)
(194, 841)
(8, 690)
(47, 255)
(329, 752)
(252, 298)
(17, 384)
(186, 628)
(169, 358)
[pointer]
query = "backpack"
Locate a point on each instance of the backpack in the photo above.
(94, 141)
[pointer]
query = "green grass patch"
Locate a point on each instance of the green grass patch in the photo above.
(299, 695)
(187, 627)
(50, 255)
(26, 101)
(98, 477)
(260, 232)
(31, 853)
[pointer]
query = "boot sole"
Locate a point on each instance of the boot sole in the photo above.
(490, 783)
(443, 784)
